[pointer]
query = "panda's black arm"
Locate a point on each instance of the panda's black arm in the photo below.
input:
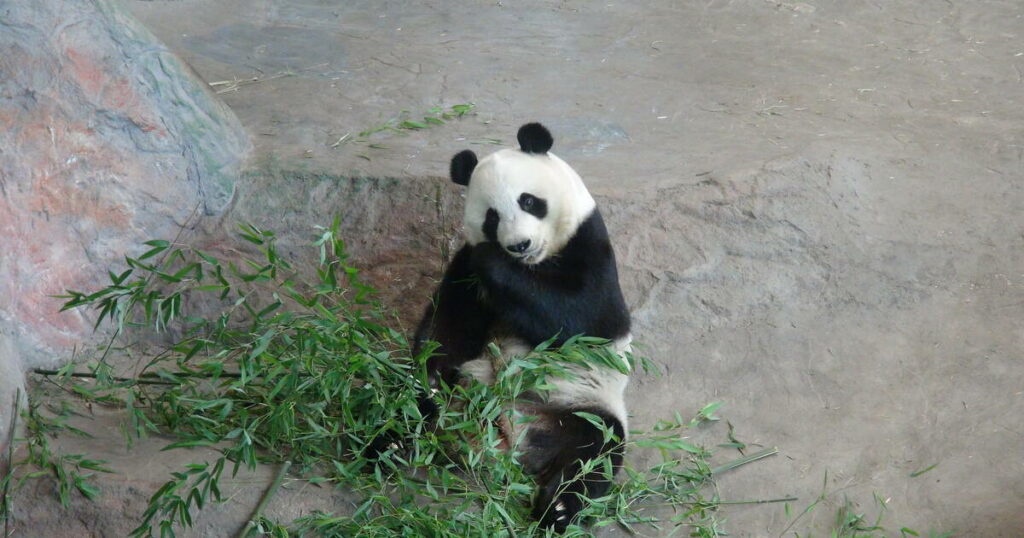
(456, 319)
(575, 293)
(460, 323)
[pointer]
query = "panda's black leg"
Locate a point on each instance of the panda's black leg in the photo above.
(563, 486)
(459, 323)
(437, 372)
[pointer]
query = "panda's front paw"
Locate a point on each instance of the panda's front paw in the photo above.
(390, 442)
(382, 446)
(558, 512)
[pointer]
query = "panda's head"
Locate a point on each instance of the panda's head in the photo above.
(526, 200)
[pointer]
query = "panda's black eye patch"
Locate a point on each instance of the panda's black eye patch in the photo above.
(533, 205)
(491, 225)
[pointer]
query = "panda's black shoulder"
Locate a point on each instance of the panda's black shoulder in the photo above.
(588, 265)
(589, 245)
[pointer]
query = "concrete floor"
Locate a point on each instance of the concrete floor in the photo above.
(817, 206)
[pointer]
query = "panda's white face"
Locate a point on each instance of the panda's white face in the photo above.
(530, 204)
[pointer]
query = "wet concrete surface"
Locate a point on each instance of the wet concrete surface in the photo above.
(818, 207)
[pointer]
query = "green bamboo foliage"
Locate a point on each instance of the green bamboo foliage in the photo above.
(306, 375)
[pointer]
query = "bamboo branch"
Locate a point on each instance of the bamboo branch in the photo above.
(266, 499)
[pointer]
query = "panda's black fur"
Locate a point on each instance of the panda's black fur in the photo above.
(485, 293)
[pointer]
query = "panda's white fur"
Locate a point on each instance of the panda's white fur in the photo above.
(527, 274)
(502, 176)
(602, 387)
(496, 183)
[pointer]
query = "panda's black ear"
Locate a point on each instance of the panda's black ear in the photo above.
(462, 167)
(535, 138)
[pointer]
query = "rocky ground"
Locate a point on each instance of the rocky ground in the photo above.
(817, 207)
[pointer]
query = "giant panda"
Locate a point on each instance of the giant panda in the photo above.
(536, 264)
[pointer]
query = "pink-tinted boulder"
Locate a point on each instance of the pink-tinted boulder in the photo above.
(106, 140)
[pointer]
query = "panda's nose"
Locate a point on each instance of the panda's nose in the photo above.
(519, 248)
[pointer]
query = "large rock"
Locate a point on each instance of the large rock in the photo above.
(106, 140)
